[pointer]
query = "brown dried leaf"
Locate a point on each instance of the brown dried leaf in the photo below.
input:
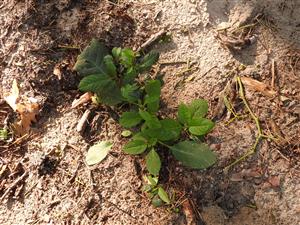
(272, 182)
(83, 99)
(12, 97)
(27, 113)
(258, 86)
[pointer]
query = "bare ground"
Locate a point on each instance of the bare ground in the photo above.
(37, 36)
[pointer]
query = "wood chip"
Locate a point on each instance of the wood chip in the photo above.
(83, 99)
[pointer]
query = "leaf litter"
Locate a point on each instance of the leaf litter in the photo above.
(27, 108)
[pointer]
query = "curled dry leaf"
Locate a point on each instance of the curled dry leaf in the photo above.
(26, 110)
(83, 99)
(258, 86)
(27, 113)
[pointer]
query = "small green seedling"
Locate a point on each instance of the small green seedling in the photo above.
(155, 192)
(111, 76)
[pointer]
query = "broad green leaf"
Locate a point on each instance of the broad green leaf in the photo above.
(127, 58)
(170, 130)
(153, 162)
(200, 126)
(151, 142)
(130, 119)
(97, 152)
(130, 93)
(105, 88)
(135, 147)
(148, 60)
(126, 133)
(150, 120)
(95, 82)
(116, 52)
(110, 68)
(90, 61)
(184, 114)
(139, 136)
(199, 108)
(163, 195)
(193, 154)
(129, 76)
(153, 88)
(156, 201)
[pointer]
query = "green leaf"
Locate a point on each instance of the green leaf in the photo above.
(110, 68)
(127, 57)
(156, 201)
(130, 93)
(170, 130)
(90, 61)
(148, 60)
(199, 108)
(163, 195)
(139, 136)
(194, 155)
(116, 52)
(153, 88)
(105, 88)
(152, 180)
(97, 152)
(130, 119)
(153, 162)
(150, 120)
(126, 133)
(184, 114)
(129, 76)
(135, 147)
(200, 126)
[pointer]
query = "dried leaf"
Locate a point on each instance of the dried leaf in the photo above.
(83, 99)
(13, 96)
(27, 113)
(57, 72)
(258, 86)
(27, 110)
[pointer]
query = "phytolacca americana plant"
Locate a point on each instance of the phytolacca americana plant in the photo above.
(111, 76)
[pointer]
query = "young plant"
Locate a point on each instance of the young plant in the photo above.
(113, 79)
(111, 76)
(155, 192)
(155, 132)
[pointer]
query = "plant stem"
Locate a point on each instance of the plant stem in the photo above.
(168, 146)
(259, 136)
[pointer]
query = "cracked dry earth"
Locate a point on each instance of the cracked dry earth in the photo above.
(38, 36)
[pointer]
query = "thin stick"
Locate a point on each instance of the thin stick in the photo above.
(152, 40)
(273, 75)
(14, 185)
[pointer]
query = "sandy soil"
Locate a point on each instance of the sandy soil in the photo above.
(38, 36)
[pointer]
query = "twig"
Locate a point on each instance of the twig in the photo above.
(152, 40)
(83, 121)
(273, 74)
(13, 185)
